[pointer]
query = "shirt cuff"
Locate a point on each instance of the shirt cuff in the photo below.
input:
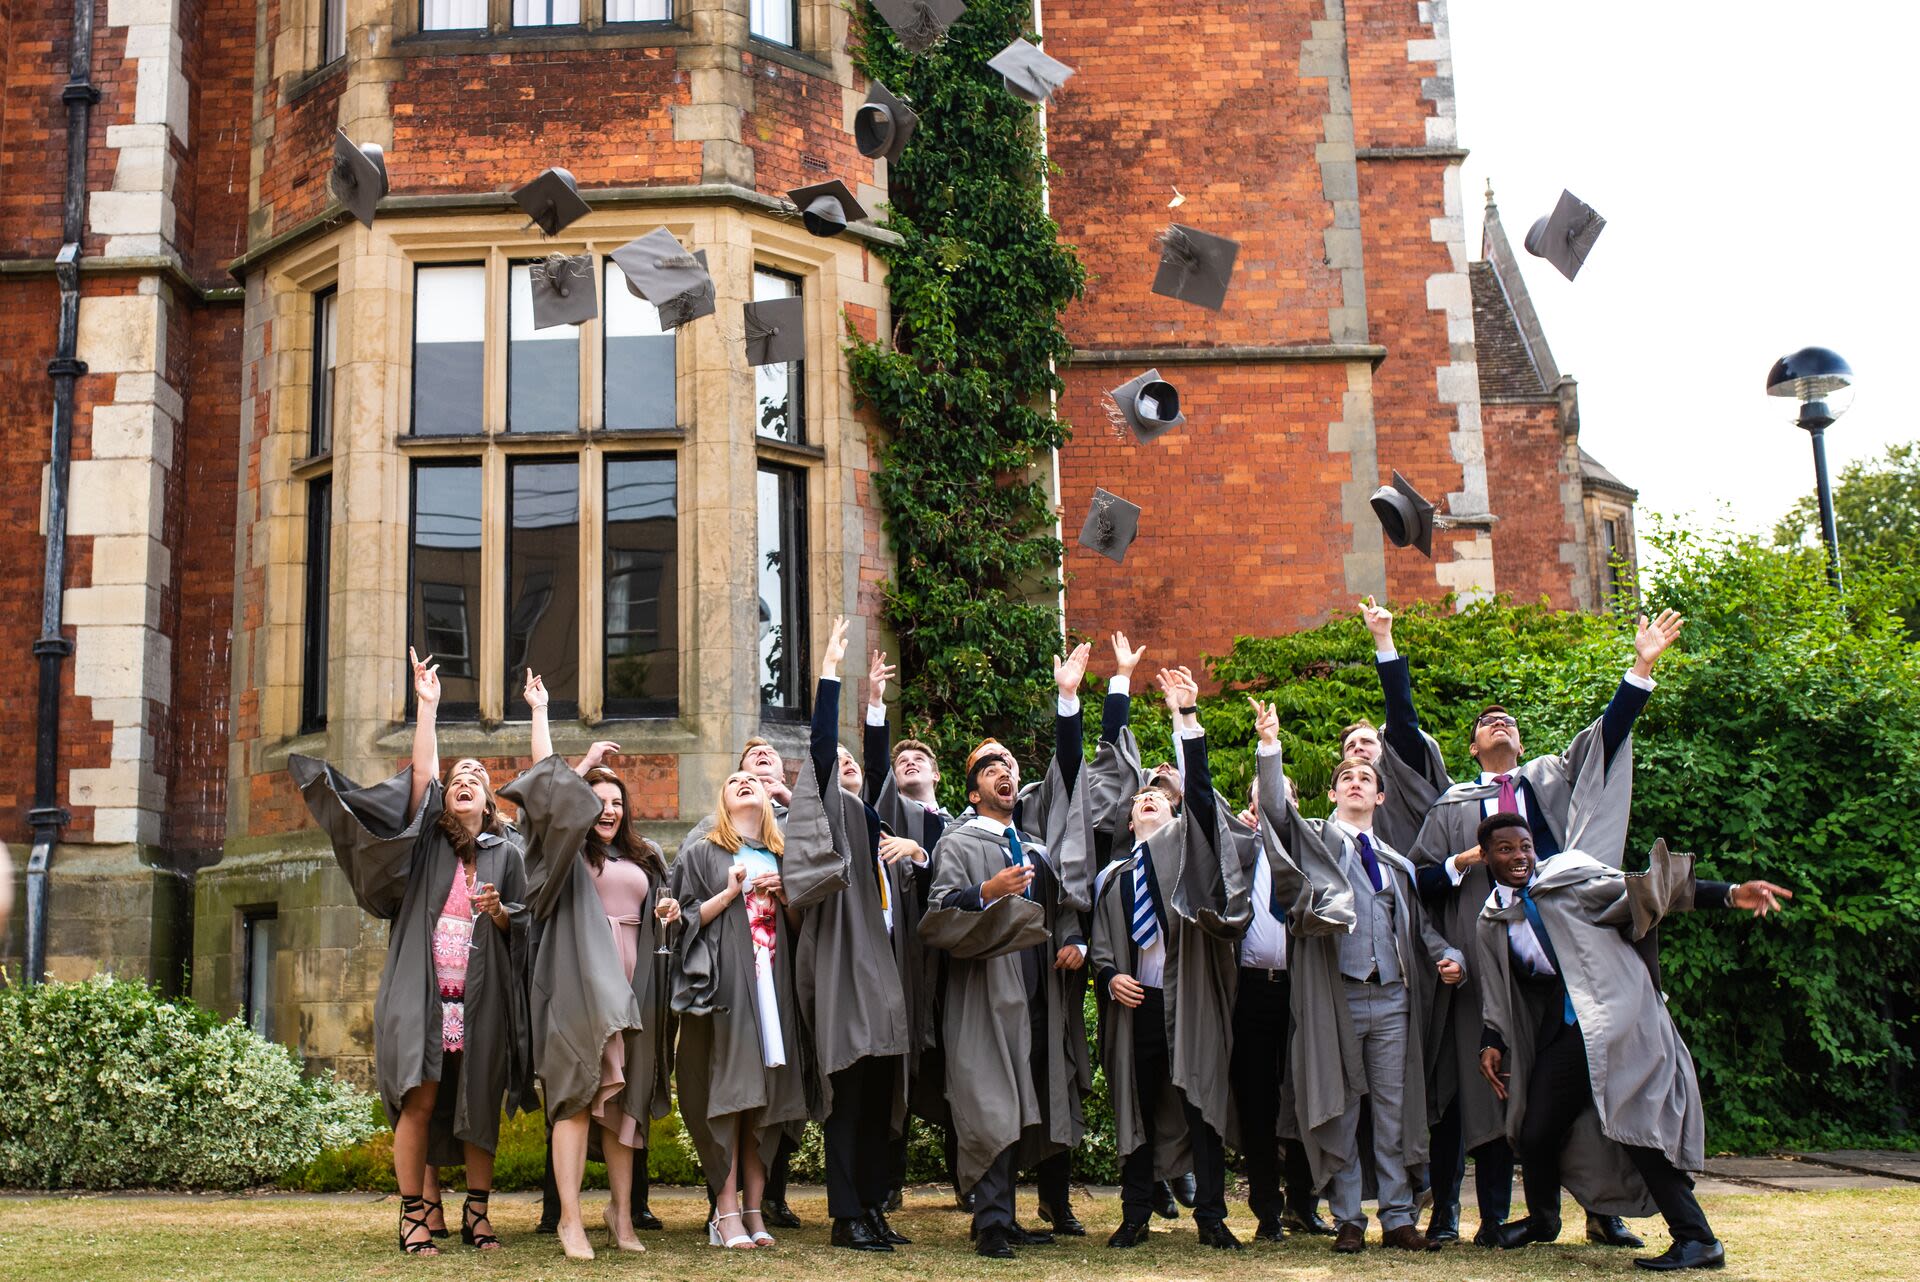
(1269, 750)
(1083, 951)
(1387, 655)
(1069, 705)
(876, 714)
(1635, 679)
(1454, 874)
(1198, 732)
(1120, 684)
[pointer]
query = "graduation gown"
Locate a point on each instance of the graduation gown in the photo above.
(721, 1071)
(922, 969)
(1587, 804)
(985, 1015)
(401, 868)
(1645, 1089)
(1203, 886)
(1326, 1075)
(579, 995)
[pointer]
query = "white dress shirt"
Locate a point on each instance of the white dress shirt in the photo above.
(1526, 945)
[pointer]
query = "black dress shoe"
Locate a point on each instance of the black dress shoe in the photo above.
(551, 1226)
(993, 1243)
(1525, 1233)
(1269, 1230)
(776, 1212)
(1350, 1240)
(1611, 1230)
(1130, 1233)
(1444, 1224)
(1185, 1190)
(1064, 1223)
(856, 1233)
(877, 1221)
(1216, 1234)
(963, 1201)
(1487, 1235)
(1021, 1235)
(895, 1200)
(1163, 1204)
(1686, 1255)
(643, 1218)
(1296, 1220)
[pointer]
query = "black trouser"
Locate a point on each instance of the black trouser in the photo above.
(1262, 1032)
(1152, 1067)
(1557, 1093)
(993, 1202)
(550, 1188)
(858, 1143)
(776, 1190)
(1492, 1170)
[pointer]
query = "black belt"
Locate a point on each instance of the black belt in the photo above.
(1272, 974)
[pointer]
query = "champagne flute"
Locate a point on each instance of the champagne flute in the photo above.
(474, 887)
(660, 911)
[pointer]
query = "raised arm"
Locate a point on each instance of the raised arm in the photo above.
(824, 740)
(1651, 640)
(1069, 739)
(1182, 693)
(874, 739)
(426, 742)
(1402, 729)
(1119, 701)
(535, 693)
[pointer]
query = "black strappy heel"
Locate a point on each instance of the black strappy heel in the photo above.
(469, 1216)
(413, 1215)
(432, 1207)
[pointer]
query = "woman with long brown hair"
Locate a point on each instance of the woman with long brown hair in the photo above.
(739, 1060)
(430, 857)
(601, 1042)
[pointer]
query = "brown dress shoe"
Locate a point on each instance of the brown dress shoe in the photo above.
(1350, 1240)
(1408, 1238)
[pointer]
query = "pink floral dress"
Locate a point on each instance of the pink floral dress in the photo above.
(452, 939)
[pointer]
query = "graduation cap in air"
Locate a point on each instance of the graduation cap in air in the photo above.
(826, 208)
(1565, 237)
(552, 200)
(1195, 266)
(776, 331)
(1404, 515)
(883, 124)
(1029, 74)
(919, 25)
(675, 282)
(359, 175)
(1146, 406)
(1112, 524)
(563, 292)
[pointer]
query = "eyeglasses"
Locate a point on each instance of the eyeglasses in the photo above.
(1498, 721)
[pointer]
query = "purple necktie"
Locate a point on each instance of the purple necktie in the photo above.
(1509, 800)
(1373, 864)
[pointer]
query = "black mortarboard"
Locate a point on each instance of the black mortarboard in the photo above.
(826, 208)
(919, 25)
(552, 200)
(675, 282)
(1565, 237)
(1029, 74)
(1112, 524)
(1404, 515)
(776, 330)
(883, 124)
(1148, 406)
(1195, 266)
(563, 292)
(359, 175)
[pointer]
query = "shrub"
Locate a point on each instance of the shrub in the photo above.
(105, 1084)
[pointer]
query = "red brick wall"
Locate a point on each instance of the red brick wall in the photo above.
(1525, 453)
(293, 181)
(210, 199)
(797, 131)
(1388, 110)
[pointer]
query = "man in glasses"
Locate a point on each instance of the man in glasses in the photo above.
(1579, 798)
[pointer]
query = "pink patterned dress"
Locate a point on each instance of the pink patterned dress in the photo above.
(452, 937)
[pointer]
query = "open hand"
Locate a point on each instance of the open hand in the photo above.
(1758, 897)
(1067, 671)
(1126, 990)
(597, 753)
(836, 650)
(1490, 1069)
(1180, 689)
(893, 849)
(1651, 640)
(879, 672)
(1125, 657)
(426, 680)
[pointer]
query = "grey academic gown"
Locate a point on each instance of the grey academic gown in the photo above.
(401, 869)
(1204, 886)
(578, 994)
(1587, 804)
(721, 1070)
(1645, 1090)
(984, 1010)
(847, 974)
(1411, 791)
(1325, 1073)
(919, 965)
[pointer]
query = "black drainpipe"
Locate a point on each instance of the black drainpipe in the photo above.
(48, 816)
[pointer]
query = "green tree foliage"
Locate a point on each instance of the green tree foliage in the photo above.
(965, 389)
(1783, 741)
(1876, 511)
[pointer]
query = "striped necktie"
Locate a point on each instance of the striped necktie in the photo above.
(1146, 928)
(1017, 857)
(1532, 911)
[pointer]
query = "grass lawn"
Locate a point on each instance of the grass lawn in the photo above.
(1852, 1236)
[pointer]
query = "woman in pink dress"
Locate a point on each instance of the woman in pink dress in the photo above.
(601, 1039)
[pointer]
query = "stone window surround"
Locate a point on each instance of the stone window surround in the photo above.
(744, 241)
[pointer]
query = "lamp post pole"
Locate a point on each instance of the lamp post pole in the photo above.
(1822, 381)
(1828, 532)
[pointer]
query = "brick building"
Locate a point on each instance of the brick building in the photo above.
(299, 445)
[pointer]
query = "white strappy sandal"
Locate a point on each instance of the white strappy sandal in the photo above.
(762, 1238)
(741, 1243)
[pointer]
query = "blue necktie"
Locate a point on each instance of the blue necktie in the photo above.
(1372, 863)
(1146, 928)
(1017, 858)
(1546, 945)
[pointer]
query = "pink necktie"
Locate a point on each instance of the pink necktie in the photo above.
(1509, 802)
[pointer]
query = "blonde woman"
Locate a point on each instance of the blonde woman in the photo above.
(739, 1060)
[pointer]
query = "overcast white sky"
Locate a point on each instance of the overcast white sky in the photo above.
(1755, 164)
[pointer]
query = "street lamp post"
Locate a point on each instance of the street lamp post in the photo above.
(1822, 382)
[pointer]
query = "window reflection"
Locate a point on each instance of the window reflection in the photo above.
(780, 413)
(543, 581)
(641, 603)
(543, 365)
(639, 359)
(449, 349)
(446, 578)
